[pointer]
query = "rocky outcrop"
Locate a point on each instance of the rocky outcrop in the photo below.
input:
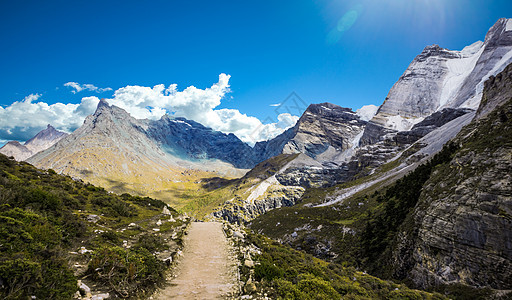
(191, 140)
(322, 127)
(461, 229)
(430, 123)
(497, 92)
(418, 91)
(239, 211)
(41, 141)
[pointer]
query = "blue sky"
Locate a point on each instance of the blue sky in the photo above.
(346, 52)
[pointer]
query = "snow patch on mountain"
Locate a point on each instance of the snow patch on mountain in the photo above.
(509, 25)
(458, 70)
(400, 123)
(500, 66)
(367, 112)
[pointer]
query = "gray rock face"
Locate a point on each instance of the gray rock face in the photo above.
(240, 212)
(16, 150)
(41, 141)
(44, 139)
(461, 229)
(497, 92)
(429, 124)
(418, 90)
(322, 126)
(191, 140)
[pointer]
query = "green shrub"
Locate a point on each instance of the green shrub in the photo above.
(151, 242)
(267, 271)
(317, 288)
(125, 270)
(20, 277)
(58, 281)
(287, 290)
(42, 200)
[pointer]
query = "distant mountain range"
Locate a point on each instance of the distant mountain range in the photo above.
(438, 87)
(41, 141)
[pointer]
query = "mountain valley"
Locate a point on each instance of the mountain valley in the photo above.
(419, 194)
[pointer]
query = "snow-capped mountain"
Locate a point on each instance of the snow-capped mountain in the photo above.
(440, 78)
(41, 141)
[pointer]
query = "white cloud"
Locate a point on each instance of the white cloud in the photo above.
(367, 112)
(277, 104)
(77, 87)
(198, 105)
(31, 97)
(23, 119)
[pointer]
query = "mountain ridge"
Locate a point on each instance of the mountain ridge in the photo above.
(41, 141)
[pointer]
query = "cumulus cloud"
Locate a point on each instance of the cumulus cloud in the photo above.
(367, 112)
(77, 87)
(23, 119)
(198, 105)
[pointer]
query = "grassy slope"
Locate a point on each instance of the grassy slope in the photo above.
(44, 223)
(284, 273)
(195, 192)
(212, 192)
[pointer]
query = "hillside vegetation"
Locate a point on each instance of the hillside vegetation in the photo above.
(284, 273)
(55, 230)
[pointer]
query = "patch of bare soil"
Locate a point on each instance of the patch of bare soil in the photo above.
(207, 268)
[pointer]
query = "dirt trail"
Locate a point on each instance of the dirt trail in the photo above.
(207, 269)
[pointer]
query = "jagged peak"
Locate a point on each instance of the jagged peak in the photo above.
(13, 143)
(434, 50)
(49, 133)
(105, 110)
(328, 109)
(103, 104)
(502, 27)
(433, 47)
(50, 128)
(326, 105)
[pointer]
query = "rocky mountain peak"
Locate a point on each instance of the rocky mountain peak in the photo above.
(435, 50)
(102, 104)
(41, 141)
(14, 143)
(500, 34)
(329, 109)
(322, 132)
(193, 141)
(44, 136)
